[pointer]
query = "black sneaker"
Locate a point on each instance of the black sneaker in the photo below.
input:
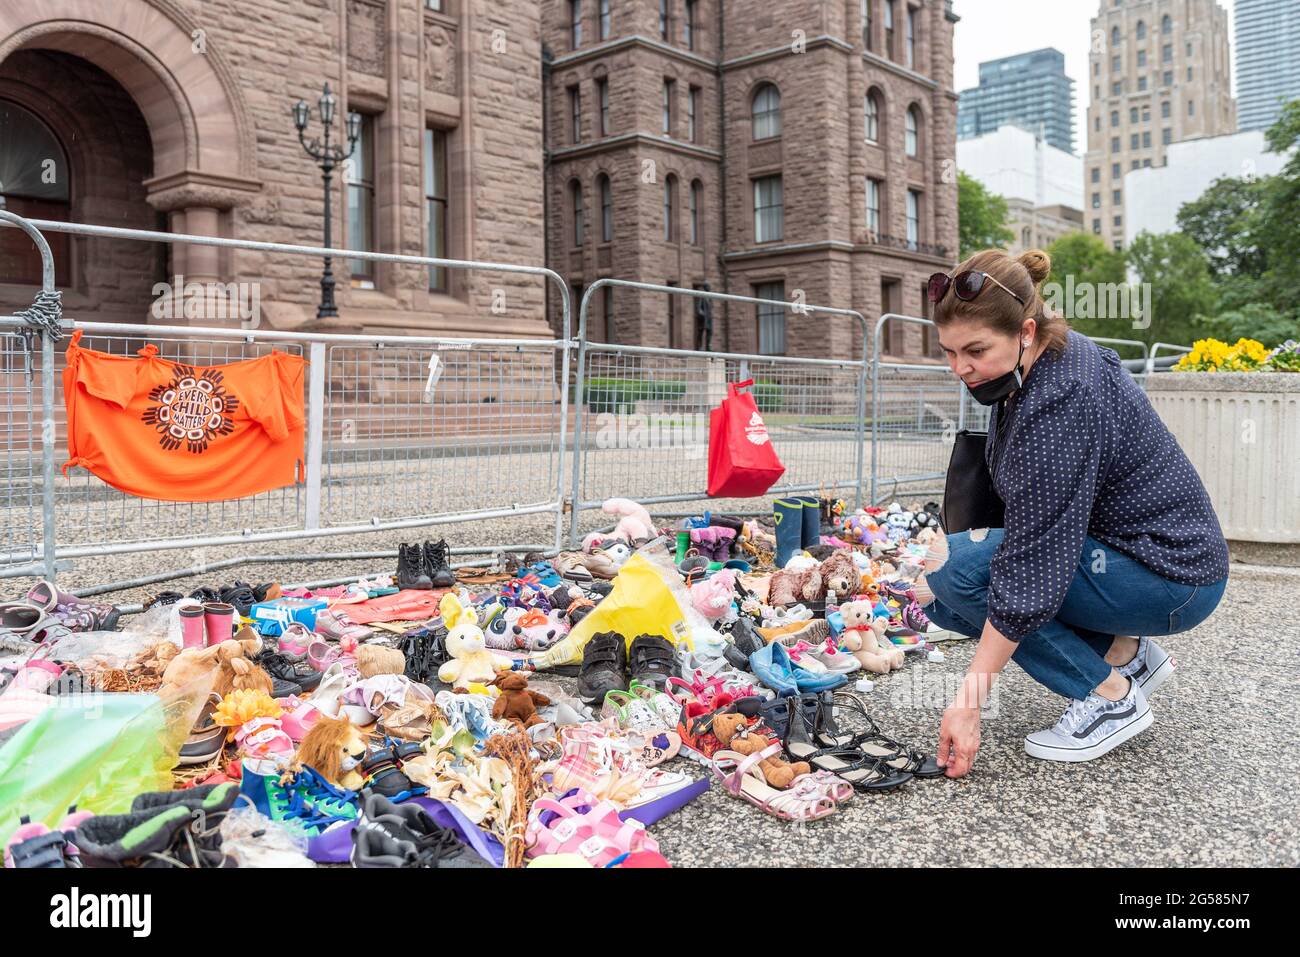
(744, 642)
(604, 666)
(384, 776)
(410, 568)
(241, 595)
(652, 660)
(437, 564)
(404, 835)
(284, 670)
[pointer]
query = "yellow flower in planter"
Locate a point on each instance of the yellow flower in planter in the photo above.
(1211, 355)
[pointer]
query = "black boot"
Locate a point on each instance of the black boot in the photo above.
(410, 568)
(437, 564)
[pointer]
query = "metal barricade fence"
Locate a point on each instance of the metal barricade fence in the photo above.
(642, 413)
(383, 450)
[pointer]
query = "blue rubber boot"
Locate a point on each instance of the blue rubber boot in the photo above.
(811, 527)
(787, 513)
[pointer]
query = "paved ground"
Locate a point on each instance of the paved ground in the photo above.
(1210, 784)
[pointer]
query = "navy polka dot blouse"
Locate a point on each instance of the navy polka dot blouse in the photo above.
(1082, 452)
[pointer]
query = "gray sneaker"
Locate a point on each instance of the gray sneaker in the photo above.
(1090, 728)
(1151, 667)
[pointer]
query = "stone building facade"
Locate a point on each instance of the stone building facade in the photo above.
(766, 149)
(175, 115)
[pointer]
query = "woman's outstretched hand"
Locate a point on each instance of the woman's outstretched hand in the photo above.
(959, 739)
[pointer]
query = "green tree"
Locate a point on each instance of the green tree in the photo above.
(1082, 261)
(1184, 299)
(981, 217)
(1255, 321)
(1226, 221)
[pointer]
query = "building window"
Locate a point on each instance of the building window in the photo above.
(766, 112)
(769, 209)
(670, 209)
(913, 219)
(1136, 165)
(1189, 47)
(670, 92)
(1167, 53)
(688, 25)
(361, 202)
(1133, 141)
(1142, 84)
(1096, 174)
(605, 19)
(606, 209)
(1114, 117)
(435, 204)
(889, 29)
(575, 113)
(1096, 226)
(1119, 221)
(1167, 78)
(1096, 68)
(1146, 114)
(1096, 124)
(1142, 58)
(602, 91)
(1141, 30)
(867, 43)
(1132, 114)
(1096, 91)
(1114, 144)
(1191, 107)
(1166, 25)
(30, 152)
(912, 133)
(1164, 110)
(1117, 88)
(1166, 136)
(663, 20)
(771, 319)
(1114, 36)
(1096, 200)
(910, 48)
(575, 23)
(609, 312)
(1114, 171)
(1114, 64)
(579, 214)
(692, 111)
(874, 189)
(871, 113)
(1115, 197)
(438, 6)
(697, 207)
(1189, 74)
(1146, 163)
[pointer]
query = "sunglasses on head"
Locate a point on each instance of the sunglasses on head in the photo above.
(965, 285)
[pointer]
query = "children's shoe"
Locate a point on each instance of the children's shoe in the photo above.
(410, 568)
(604, 666)
(652, 660)
(385, 777)
(813, 632)
(336, 626)
(36, 846)
(1091, 727)
(163, 829)
(404, 835)
(302, 675)
(436, 563)
(76, 614)
(294, 640)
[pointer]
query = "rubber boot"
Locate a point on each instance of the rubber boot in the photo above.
(788, 515)
(218, 622)
(192, 627)
(811, 527)
(726, 537)
(683, 543)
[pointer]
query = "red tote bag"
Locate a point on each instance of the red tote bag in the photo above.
(742, 462)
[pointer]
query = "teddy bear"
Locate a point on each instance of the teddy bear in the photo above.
(517, 702)
(634, 523)
(334, 749)
(471, 662)
(733, 733)
(864, 637)
(861, 529)
(226, 664)
(841, 577)
(838, 575)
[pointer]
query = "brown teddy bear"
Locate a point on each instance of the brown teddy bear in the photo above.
(516, 702)
(732, 732)
(224, 663)
(838, 574)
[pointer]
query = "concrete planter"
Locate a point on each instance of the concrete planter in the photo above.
(1241, 431)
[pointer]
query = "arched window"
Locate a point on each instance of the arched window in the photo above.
(579, 214)
(670, 209)
(606, 209)
(912, 137)
(1166, 24)
(871, 114)
(767, 112)
(34, 183)
(1141, 30)
(697, 213)
(1114, 36)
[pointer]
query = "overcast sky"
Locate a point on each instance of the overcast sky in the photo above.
(991, 29)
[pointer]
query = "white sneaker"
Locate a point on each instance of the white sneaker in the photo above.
(1151, 667)
(1090, 728)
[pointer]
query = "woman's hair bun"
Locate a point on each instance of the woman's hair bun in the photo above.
(1038, 264)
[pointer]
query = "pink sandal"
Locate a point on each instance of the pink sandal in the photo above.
(599, 835)
(742, 778)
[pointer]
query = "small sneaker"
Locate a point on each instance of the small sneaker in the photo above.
(437, 564)
(652, 660)
(1090, 728)
(604, 666)
(813, 632)
(410, 568)
(283, 669)
(404, 835)
(745, 640)
(1151, 667)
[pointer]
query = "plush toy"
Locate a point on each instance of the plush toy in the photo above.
(864, 637)
(225, 662)
(712, 597)
(471, 662)
(861, 529)
(634, 523)
(500, 631)
(378, 660)
(733, 733)
(334, 749)
(517, 702)
(840, 575)
(535, 631)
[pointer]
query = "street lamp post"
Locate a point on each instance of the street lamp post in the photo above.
(327, 157)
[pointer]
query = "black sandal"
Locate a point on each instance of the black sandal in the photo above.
(865, 772)
(873, 741)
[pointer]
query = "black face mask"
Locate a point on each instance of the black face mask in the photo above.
(995, 390)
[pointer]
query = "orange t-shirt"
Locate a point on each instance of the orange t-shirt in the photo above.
(181, 433)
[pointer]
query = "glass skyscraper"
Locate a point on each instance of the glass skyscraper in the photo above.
(1029, 90)
(1268, 60)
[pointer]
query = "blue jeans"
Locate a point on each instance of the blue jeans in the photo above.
(1112, 594)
